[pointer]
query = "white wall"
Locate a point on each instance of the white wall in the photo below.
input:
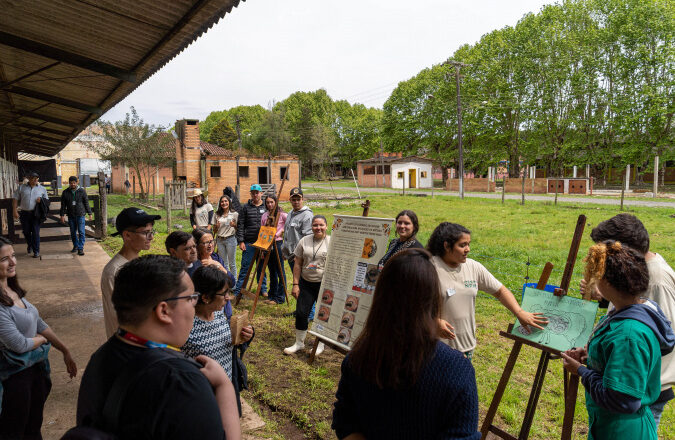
(426, 182)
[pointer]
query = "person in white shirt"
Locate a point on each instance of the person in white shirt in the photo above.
(461, 278)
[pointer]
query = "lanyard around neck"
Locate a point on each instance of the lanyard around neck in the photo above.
(142, 341)
(318, 249)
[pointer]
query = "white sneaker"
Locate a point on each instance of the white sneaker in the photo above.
(320, 349)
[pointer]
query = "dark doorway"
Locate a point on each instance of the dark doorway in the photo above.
(262, 175)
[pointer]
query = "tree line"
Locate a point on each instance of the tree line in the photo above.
(581, 82)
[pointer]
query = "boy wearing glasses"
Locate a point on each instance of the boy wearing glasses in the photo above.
(162, 394)
(135, 227)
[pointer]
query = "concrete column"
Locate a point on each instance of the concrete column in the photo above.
(588, 171)
(627, 177)
(574, 171)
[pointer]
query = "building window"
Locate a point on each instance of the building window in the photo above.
(215, 171)
(423, 174)
(368, 170)
(243, 171)
(282, 172)
(387, 169)
(400, 174)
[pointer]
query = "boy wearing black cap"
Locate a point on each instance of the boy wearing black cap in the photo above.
(135, 227)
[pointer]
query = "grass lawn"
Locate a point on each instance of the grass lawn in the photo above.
(503, 237)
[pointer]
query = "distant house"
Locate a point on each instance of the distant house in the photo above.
(395, 171)
(212, 168)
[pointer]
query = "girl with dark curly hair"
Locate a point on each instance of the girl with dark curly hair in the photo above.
(407, 227)
(624, 352)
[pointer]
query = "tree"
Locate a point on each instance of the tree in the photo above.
(143, 147)
(224, 135)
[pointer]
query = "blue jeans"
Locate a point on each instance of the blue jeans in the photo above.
(291, 263)
(30, 225)
(227, 249)
(246, 261)
(277, 275)
(77, 231)
(657, 410)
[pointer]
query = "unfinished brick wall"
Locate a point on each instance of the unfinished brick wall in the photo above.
(188, 153)
(515, 185)
(372, 180)
(476, 184)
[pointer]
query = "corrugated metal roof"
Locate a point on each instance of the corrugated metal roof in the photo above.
(64, 63)
(378, 160)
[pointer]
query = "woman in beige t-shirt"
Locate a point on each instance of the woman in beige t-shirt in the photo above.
(461, 278)
(310, 261)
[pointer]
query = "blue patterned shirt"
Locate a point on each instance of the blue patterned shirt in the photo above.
(213, 339)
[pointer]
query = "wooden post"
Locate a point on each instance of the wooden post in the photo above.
(623, 190)
(184, 197)
(103, 211)
(167, 205)
(656, 176)
(355, 183)
(154, 185)
(133, 178)
(522, 190)
(503, 188)
(557, 183)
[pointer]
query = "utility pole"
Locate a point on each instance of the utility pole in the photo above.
(236, 123)
(382, 163)
(457, 66)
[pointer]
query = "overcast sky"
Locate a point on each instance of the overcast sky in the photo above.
(358, 50)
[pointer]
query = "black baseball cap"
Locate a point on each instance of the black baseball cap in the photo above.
(33, 174)
(296, 192)
(133, 217)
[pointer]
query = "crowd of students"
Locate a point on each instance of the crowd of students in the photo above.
(170, 368)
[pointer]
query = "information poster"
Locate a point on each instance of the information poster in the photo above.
(570, 320)
(356, 246)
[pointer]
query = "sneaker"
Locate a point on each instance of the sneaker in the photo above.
(73, 250)
(29, 249)
(36, 255)
(80, 252)
(320, 348)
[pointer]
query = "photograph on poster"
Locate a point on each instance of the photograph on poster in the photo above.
(352, 303)
(327, 297)
(369, 248)
(345, 335)
(324, 313)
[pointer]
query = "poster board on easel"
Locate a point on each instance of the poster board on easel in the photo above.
(356, 246)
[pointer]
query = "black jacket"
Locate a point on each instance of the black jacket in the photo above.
(42, 209)
(81, 202)
(248, 224)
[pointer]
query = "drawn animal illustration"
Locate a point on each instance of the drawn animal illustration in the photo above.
(559, 324)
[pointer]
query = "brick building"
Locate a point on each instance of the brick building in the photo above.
(212, 168)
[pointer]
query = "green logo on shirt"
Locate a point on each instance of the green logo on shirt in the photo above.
(471, 284)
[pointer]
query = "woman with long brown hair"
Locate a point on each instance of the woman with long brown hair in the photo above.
(24, 345)
(399, 380)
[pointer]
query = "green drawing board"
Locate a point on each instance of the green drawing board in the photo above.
(570, 319)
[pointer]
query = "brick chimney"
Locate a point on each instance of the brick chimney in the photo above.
(188, 153)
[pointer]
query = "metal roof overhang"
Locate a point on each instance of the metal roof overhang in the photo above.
(64, 63)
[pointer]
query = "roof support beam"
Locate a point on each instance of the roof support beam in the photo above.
(66, 57)
(41, 128)
(45, 138)
(48, 118)
(35, 72)
(54, 99)
(40, 149)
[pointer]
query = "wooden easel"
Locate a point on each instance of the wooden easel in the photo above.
(570, 385)
(262, 255)
(331, 344)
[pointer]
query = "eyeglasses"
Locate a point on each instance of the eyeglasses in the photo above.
(228, 292)
(193, 298)
(148, 234)
(206, 243)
